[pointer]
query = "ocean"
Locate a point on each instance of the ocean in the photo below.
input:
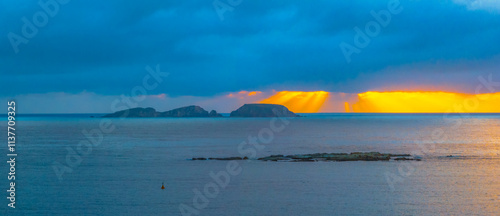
(57, 173)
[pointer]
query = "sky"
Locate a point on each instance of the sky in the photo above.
(87, 56)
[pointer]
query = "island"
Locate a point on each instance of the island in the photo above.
(247, 110)
(354, 156)
(263, 110)
(188, 111)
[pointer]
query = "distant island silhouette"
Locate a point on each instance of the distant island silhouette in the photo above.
(263, 110)
(247, 110)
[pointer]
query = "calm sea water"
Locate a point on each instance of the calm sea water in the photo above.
(123, 174)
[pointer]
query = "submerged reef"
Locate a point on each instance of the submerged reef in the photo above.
(354, 156)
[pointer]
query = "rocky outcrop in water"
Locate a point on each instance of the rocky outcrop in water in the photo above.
(224, 158)
(213, 113)
(188, 111)
(355, 156)
(133, 113)
(263, 110)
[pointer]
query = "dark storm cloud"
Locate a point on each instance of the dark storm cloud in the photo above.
(104, 46)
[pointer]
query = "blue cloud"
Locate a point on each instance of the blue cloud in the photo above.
(103, 46)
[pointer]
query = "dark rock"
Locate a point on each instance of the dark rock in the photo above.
(213, 113)
(275, 158)
(303, 160)
(405, 159)
(355, 156)
(134, 113)
(229, 158)
(263, 110)
(188, 111)
(401, 155)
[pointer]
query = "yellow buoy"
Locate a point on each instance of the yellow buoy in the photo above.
(162, 187)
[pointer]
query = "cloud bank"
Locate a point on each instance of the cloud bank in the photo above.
(102, 47)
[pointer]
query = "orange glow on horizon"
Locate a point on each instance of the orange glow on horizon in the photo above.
(253, 93)
(243, 94)
(426, 102)
(299, 102)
